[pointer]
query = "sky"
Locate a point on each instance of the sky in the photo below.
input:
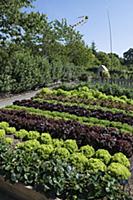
(97, 28)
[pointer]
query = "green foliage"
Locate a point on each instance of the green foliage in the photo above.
(46, 138)
(61, 174)
(4, 125)
(29, 145)
(128, 56)
(79, 161)
(2, 133)
(10, 130)
(121, 158)
(8, 140)
(91, 121)
(71, 145)
(114, 90)
(88, 151)
(62, 153)
(103, 155)
(22, 133)
(58, 143)
(32, 135)
(118, 170)
(45, 150)
(96, 165)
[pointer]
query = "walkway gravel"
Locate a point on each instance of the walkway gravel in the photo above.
(9, 100)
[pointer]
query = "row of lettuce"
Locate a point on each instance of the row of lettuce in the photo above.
(61, 168)
(69, 144)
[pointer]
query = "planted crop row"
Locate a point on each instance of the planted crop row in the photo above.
(91, 121)
(100, 102)
(77, 110)
(99, 137)
(85, 93)
(57, 170)
(85, 106)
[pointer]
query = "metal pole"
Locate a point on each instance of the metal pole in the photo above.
(110, 35)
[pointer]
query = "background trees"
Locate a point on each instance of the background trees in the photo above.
(35, 51)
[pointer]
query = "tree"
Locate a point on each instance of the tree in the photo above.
(128, 56)
(104, 59)
(93, 47)
(115, 61)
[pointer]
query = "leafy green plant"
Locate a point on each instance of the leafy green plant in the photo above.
(71, 145)
(58, 143)
(121, 158)
(87, 150)
(46, 138)
(10, 130)
(79, 161)
(32, 135)
(62, 153)
(4, 125)
(29, 145)
(96, 165)
(45, 150)
(119, 171)
(8, 140)
(103, 155)
(2, 133)
(22, 133)
(61, 174)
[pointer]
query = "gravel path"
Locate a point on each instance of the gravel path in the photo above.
(9, 100)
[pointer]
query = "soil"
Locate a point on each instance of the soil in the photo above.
(4, 196)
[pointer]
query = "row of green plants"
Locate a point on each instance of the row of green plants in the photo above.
(109, 138)
(107, 88)
(61, 169)
(91, 121)
(82, 105)
(114, 90)
(100, 102)
(85, 93)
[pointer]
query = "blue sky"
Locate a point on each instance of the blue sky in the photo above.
(97, 28)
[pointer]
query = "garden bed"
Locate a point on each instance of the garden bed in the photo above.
(18, 191)
(67, 150)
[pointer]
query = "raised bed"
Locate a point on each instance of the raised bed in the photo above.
(19, 191)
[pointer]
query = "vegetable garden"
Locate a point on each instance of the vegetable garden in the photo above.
(75, 144)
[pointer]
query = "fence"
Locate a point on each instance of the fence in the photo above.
(127, 83)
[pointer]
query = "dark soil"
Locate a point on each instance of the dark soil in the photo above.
(4, 196)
